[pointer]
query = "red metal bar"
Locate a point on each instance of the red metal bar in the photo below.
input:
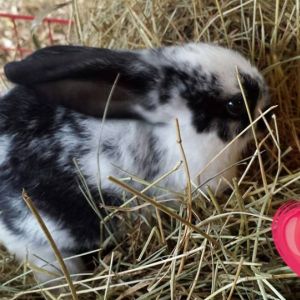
(24, 50)
(30, 18)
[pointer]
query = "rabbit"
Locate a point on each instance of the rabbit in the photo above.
(53, 115)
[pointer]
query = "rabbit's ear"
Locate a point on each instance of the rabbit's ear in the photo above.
(81, 78)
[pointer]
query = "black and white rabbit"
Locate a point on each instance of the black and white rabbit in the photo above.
(53, 115)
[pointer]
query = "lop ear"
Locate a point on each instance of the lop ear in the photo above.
(81, 78)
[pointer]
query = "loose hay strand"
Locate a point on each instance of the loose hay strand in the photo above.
(51, 241)
(161, 207)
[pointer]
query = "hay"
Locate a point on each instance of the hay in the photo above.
(169, 258)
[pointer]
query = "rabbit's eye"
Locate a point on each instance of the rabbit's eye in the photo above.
(236, 106)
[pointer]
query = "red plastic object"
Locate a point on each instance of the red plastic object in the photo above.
(286, 234)
(14, 18)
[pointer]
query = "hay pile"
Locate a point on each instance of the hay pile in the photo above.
(167, 259)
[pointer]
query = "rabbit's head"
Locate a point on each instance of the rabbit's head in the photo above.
(202, 84)
(197, 83)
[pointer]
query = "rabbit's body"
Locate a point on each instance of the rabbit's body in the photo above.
(47, 139)
(40, 138)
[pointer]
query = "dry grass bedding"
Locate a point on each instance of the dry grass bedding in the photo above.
(169, 258)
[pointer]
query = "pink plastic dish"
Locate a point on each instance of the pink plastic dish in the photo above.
(286, 234)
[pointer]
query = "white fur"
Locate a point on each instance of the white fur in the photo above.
(212, 59)
(32, 246)
(5, 141)
(199, 148)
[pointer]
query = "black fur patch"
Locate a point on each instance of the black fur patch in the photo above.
(149, 162)
(206, 99)
(153, 159)
(111, 150)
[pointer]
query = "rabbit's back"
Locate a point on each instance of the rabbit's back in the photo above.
(40, 148)
(34, 157)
